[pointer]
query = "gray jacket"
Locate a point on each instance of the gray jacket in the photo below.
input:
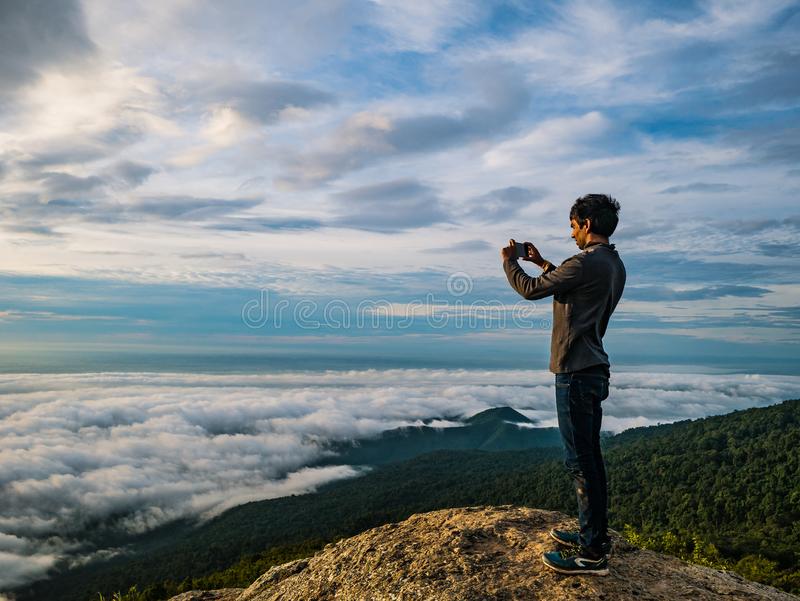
(586, 288)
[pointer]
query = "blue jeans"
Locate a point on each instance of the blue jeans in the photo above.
(578, 402)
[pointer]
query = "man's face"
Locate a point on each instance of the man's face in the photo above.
(579, 233)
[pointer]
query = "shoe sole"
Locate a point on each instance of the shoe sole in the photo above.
(565, 543)
(603, 572)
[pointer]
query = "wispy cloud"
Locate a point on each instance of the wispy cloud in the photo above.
(700, 187)
(49, 315)
(465, 246)
(62, 210)
(423, 27)
(663, 293)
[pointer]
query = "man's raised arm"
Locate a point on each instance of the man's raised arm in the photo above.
(553, 279)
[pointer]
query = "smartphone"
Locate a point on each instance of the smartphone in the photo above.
(521, 249)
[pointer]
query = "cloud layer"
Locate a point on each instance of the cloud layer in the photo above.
(36, 35)
(131, 451)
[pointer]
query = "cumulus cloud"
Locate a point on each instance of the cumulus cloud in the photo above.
(390, 206)
(264, 101)
(131, 173)
(502, 203)
(370, 135)
(62, 195)
(549, 139)
(130, 451)
(60, 184)
(89, 121)
(38, 34)
(232, 108)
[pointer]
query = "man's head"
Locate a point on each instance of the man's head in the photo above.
(593, 217)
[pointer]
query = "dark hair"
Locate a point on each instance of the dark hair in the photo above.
(601, 209)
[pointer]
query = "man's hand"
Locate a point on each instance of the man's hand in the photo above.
(533, 254)
(509, 252)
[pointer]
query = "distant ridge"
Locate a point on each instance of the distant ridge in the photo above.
(497, 415)
(495, 429)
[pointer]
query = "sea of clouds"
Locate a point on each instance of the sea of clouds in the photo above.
(132, 451)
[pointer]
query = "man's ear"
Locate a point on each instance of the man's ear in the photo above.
(588, 223)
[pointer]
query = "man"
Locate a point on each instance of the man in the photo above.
(585, 288)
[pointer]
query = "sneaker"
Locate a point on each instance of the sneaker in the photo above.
(565, 538)
(575, 564)
(574, 539)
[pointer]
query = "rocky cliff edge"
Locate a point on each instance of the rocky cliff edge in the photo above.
(481, 554)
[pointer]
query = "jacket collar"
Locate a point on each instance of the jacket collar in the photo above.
(591, 244)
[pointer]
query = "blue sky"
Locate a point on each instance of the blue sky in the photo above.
(164, 164)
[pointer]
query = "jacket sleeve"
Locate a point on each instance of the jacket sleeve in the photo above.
(552, 281)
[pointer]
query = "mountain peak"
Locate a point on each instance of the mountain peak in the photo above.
(498, 414)
(488, 553)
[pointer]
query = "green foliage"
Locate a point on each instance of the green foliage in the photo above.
(247, 569)
(728, 479)
(239, 575)
(687, 546)
(673, 545)
(693, 548)
(721, 491)
(706, 554)
(755, 567)
(132, 595)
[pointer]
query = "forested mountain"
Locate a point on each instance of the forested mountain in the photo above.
(730, 481)
(497, 429)
(733, 478)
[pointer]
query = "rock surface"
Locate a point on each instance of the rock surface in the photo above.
(482, 554)
(223, 594)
